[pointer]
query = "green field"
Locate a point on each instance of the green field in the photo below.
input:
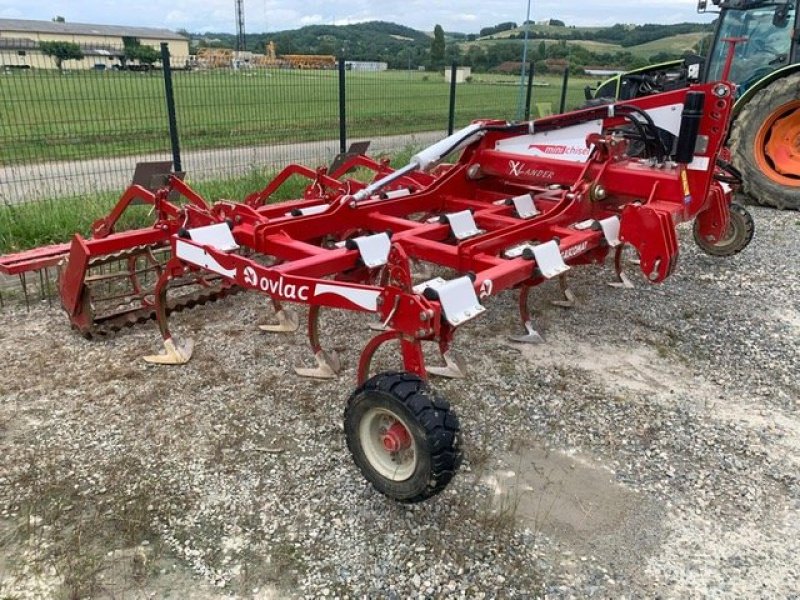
(45, 116)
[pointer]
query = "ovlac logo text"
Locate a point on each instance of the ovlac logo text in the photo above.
(275, 286)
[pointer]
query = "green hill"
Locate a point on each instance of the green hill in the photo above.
(375, 40)
(403, 47)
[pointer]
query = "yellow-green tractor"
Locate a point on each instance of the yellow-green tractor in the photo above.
(765, 135)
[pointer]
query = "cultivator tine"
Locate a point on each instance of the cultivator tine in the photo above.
(174, 354)
(23, 282)
(328, 363)
(569, 297)
(454, 367)
(328, 366)
(287, 320)
(531, 337)
(378, 326)
(623, 282)
(48, 288)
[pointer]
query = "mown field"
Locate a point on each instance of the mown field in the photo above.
(46, 116)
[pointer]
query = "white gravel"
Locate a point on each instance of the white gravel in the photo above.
(650, 449)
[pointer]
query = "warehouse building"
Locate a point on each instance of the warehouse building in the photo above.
(102, 45)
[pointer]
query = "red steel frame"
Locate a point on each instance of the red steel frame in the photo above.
(648, 198)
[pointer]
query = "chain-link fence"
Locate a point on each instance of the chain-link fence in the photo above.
(82, 129)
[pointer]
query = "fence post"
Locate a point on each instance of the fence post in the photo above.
(451, 121)
(342, 108)
(173, 121)
(529, 94)
(564, 90)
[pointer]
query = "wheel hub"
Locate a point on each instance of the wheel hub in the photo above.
(396, 438)
(388, 444)
(778, 145)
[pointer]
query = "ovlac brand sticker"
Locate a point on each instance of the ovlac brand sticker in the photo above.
(276, 286)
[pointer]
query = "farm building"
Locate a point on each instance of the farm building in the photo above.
(101, 44)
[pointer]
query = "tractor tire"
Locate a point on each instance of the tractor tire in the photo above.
(765, 144)
(403, 437)
(740, 233)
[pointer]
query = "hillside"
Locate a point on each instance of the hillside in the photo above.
(375, 40)
(406, 48)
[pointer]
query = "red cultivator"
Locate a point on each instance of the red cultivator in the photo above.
(524, 203)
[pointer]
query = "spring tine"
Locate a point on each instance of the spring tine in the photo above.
(48, 288)
(328, 363)
(569, 296)
(622, 281)
(454, 367)
(531, 337)
(24, 284)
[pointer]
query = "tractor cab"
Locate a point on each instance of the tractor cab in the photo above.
(769, 35)
(769, 40)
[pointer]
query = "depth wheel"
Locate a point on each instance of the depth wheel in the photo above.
(739, 235)
(765, 144)
(403, 437)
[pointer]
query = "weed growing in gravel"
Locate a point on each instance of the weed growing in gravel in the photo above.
(77, 526)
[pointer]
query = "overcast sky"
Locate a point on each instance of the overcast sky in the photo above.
(273, 15)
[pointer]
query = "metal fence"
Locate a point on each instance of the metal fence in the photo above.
(82, 131)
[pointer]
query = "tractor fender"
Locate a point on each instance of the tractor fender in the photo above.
(760, 85)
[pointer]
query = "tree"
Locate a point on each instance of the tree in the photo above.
(452, 54)
(59, 19)
(146, 55)
(61, 51)
(437, 47)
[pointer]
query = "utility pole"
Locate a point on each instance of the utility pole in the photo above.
(521, 95)
(240, 45)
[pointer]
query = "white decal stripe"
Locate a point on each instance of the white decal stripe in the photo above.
(366, 299)
(199, 257)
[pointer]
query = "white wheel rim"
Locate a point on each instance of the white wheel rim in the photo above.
(375, 426)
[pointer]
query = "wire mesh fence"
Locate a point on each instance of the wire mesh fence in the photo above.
(82, 130)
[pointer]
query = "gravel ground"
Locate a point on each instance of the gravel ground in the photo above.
(649, 449)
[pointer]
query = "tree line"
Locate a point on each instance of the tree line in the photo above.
(405, 48)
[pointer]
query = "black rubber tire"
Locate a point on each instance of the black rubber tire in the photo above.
(431, 422)
(756, 183)
(740, 233)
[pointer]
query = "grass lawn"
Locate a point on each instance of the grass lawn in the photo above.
(45, 116)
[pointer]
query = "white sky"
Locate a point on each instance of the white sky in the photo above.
(273, 15)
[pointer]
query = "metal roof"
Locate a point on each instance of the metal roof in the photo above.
(53, 27)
